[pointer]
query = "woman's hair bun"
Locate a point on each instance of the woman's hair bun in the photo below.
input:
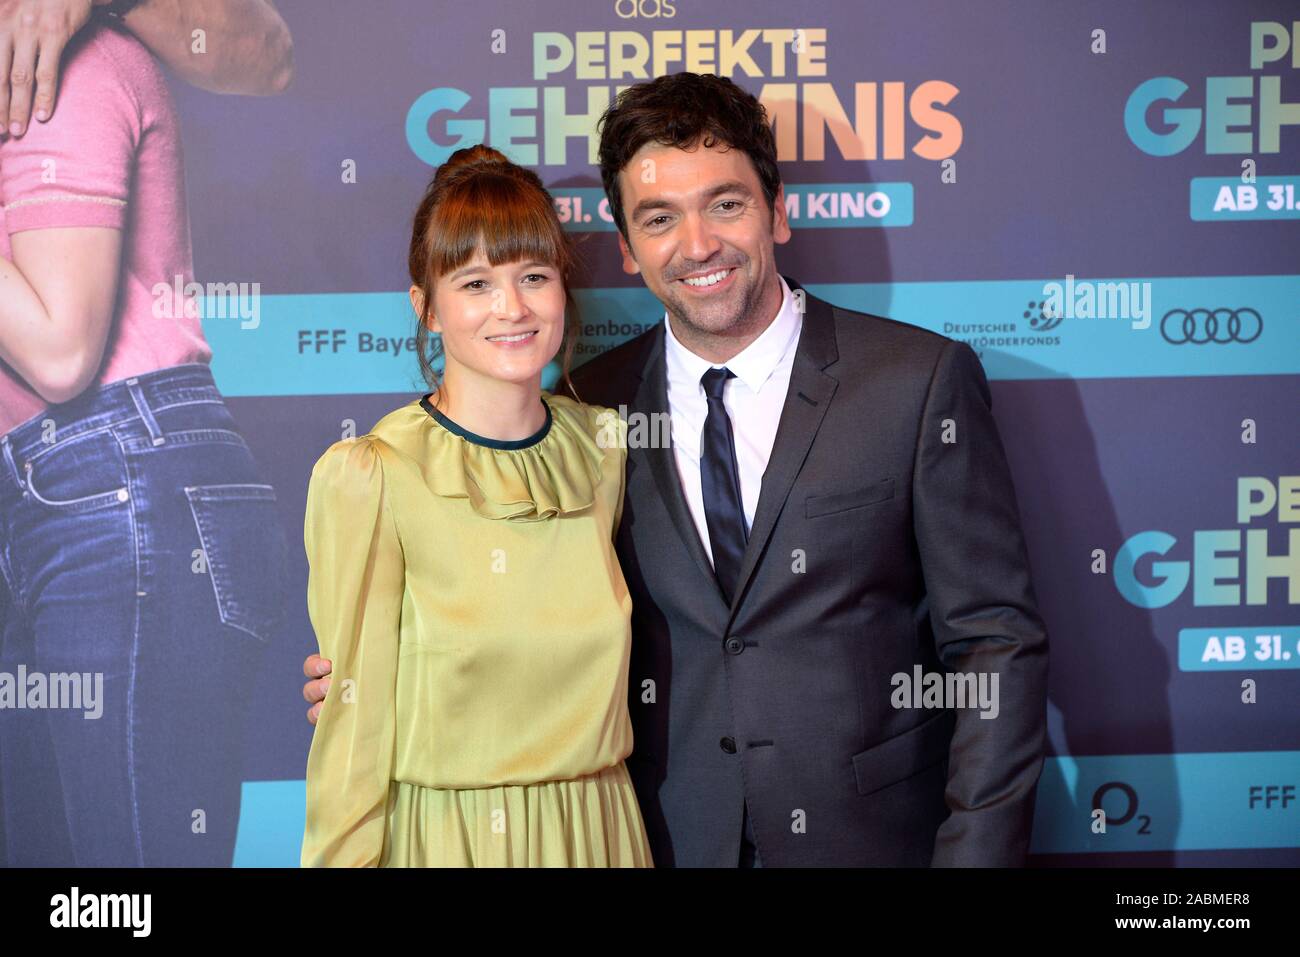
(478, 156)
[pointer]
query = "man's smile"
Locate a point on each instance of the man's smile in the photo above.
(709, 281)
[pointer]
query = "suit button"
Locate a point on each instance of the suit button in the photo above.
(734, 645)
(728, 745)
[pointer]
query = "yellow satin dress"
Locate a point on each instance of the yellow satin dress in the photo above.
(469, 597)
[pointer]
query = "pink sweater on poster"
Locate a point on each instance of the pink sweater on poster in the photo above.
(111, 157)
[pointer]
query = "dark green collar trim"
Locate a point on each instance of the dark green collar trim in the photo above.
(467, 435)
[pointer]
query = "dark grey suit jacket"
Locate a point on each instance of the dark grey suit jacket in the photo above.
(876, 546)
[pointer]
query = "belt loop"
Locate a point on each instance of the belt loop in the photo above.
(146, 414)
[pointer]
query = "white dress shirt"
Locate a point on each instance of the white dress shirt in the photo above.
(753, 399)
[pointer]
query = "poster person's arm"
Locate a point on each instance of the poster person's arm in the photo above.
(246, 48)
(56, 306)
(984, 617)
(66, 208)
(245, 45)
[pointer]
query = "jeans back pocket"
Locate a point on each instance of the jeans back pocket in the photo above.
(245, 551)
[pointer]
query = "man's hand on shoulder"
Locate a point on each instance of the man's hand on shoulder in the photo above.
(247, 48)
(33, 35)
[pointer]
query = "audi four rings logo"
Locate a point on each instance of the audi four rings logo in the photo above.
(1200, 326)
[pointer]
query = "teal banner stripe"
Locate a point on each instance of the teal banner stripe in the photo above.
(1239, 649)
(991, 317)
(1228, 199)
(328, 344)
(272, 816)
(1178, 802)
(585, 209)
(320, 344)
(844, 205)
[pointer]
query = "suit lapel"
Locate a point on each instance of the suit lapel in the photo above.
(805, 406)
(651, 398)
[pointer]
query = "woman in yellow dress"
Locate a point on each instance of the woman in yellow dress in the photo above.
(463, 579)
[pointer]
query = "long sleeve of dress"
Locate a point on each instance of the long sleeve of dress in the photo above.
(354, 598)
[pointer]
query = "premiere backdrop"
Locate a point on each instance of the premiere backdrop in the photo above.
(1102, 199)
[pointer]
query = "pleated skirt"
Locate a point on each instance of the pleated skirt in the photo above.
(591, 821)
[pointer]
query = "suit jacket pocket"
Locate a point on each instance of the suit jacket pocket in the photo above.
(843, 501)
(905, 754)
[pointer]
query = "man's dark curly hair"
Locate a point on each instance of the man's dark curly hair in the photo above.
(678, 110)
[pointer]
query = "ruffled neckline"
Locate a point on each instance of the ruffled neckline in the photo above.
(556, 471)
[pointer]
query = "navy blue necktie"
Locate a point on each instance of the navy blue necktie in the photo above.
(720, 481)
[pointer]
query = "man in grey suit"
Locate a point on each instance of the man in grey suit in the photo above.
(837, 655)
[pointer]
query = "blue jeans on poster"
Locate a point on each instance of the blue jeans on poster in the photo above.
(141, 549)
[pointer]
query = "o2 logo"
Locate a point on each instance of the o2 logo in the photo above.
(1130, 807)
(644, 9)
